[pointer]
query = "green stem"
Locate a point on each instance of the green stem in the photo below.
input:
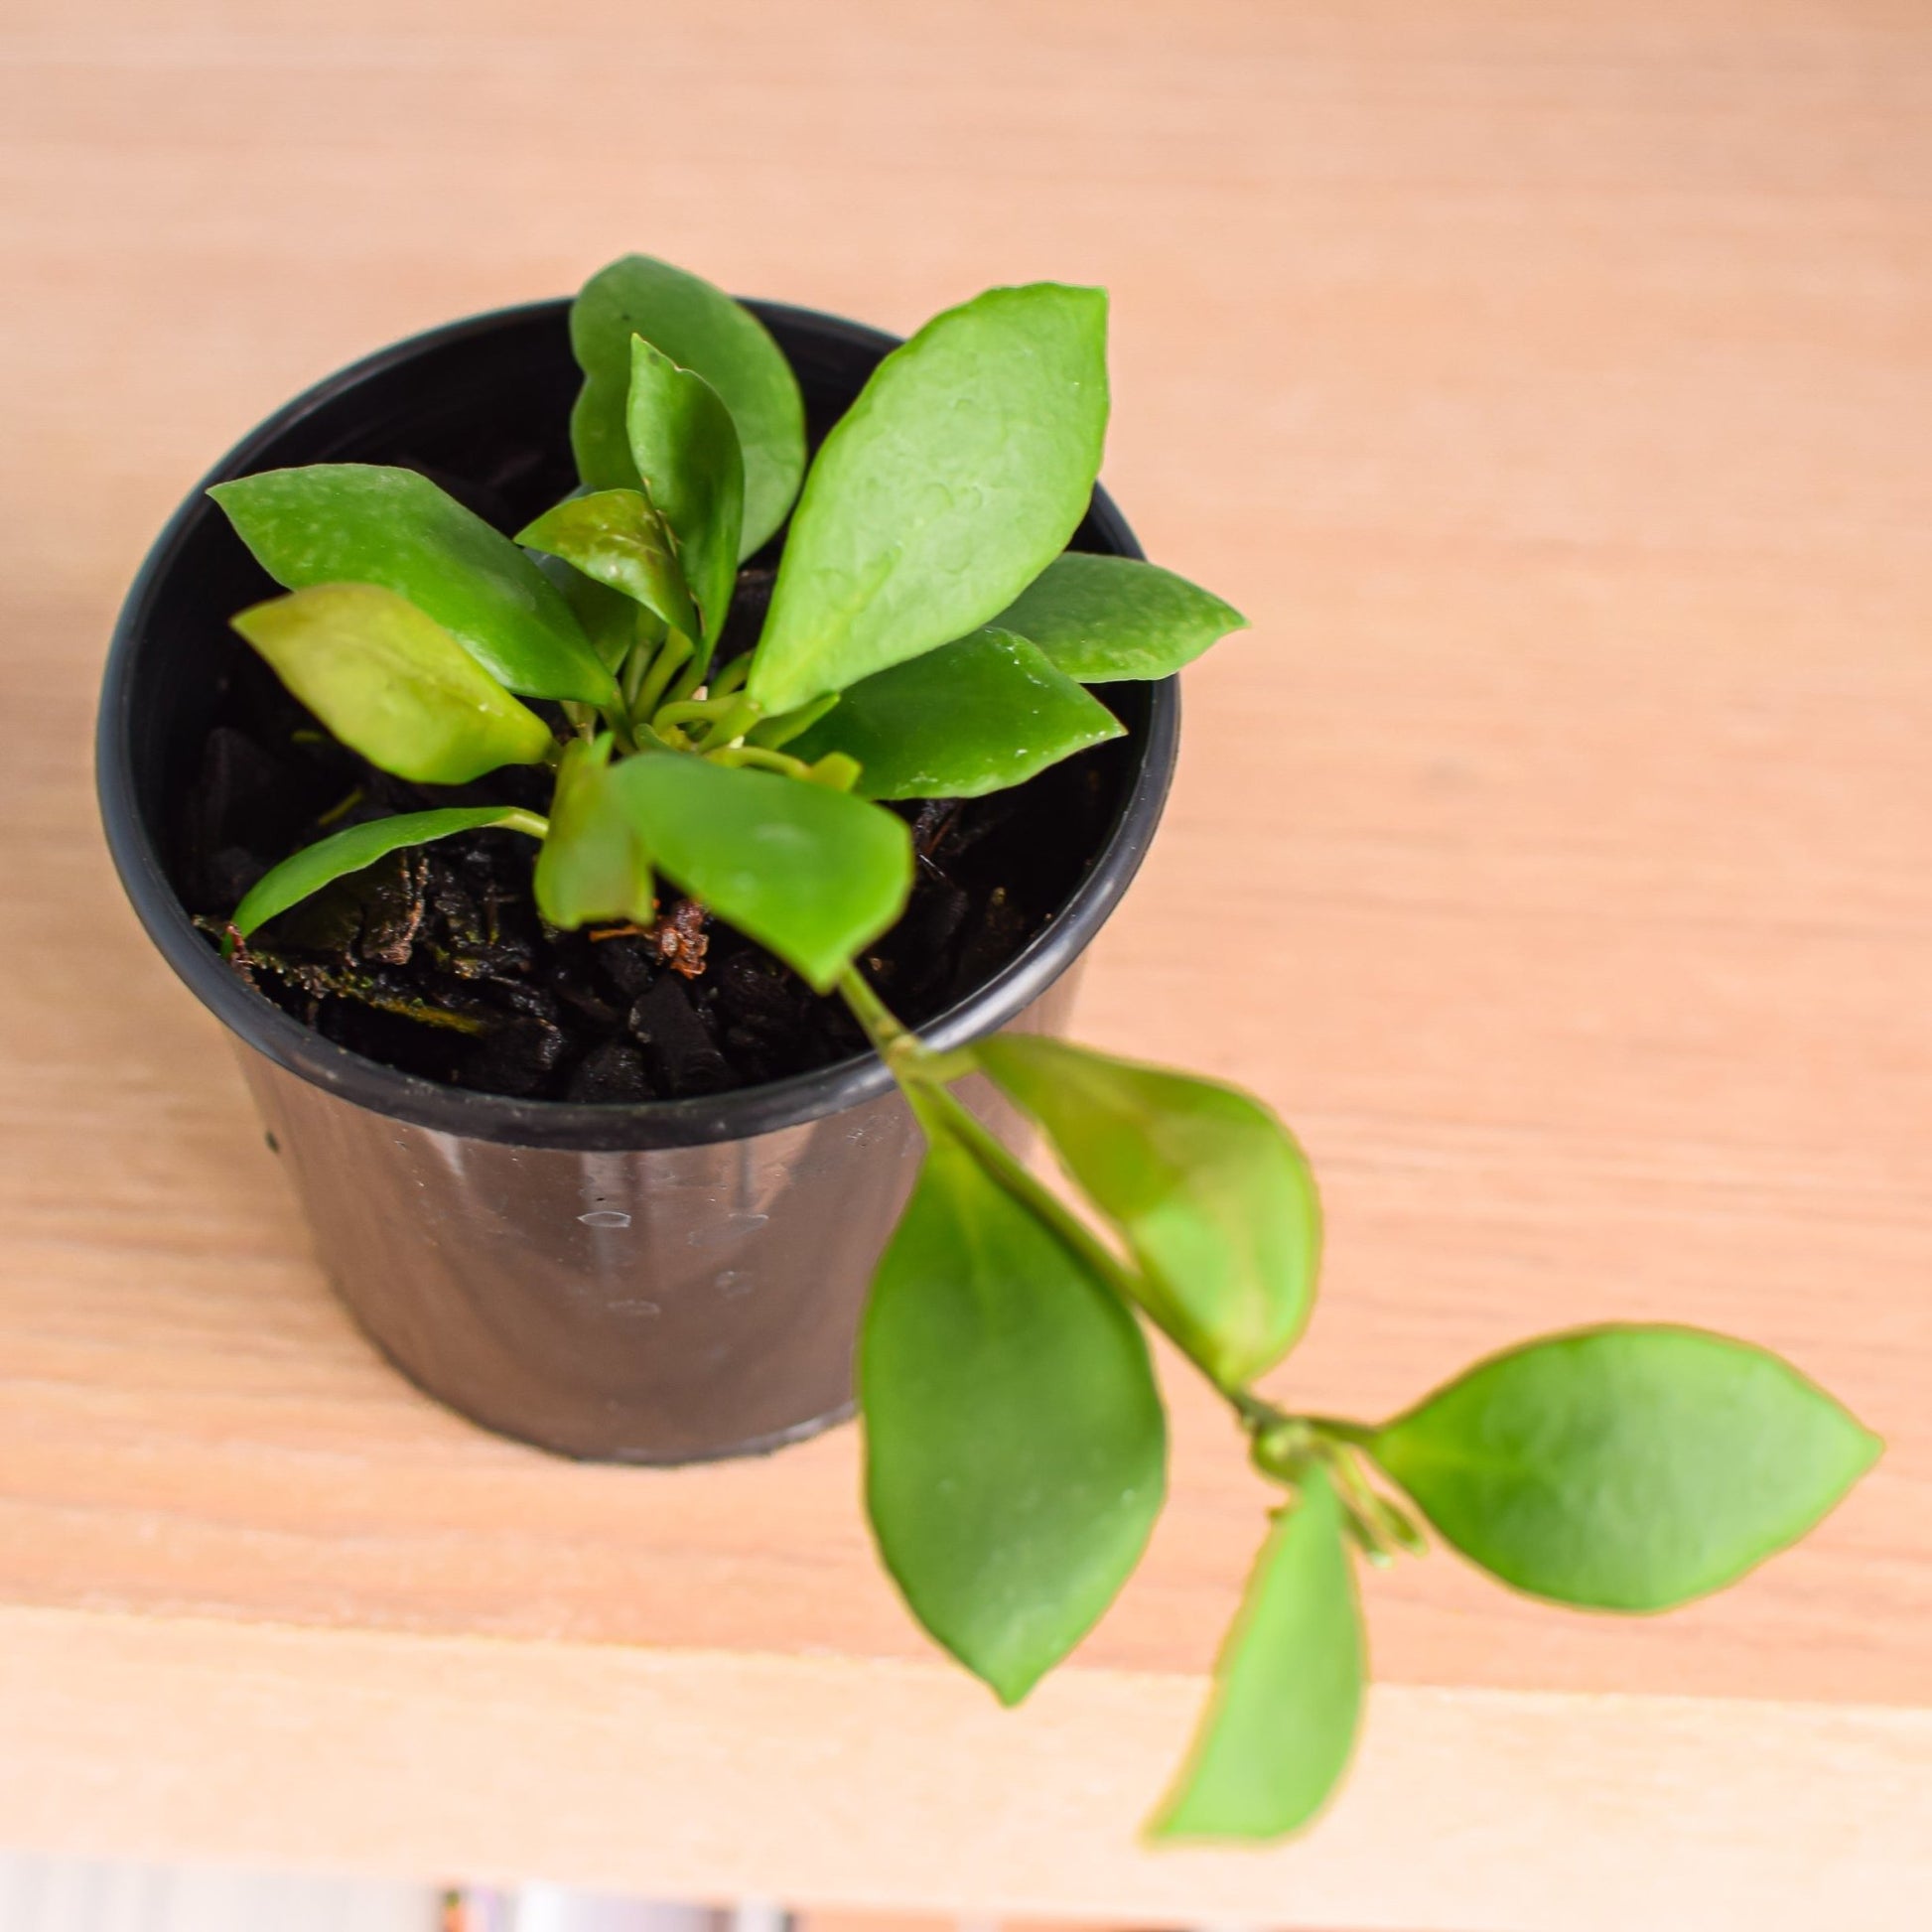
(1384, 1527)
(618, 720)
(732, 677)
(756, 754)
(518, 820)
(637, 661)
(788, 725)
(678, 711)
(890, 1035)
(672, 656)
(1255, 1414)
(739, 716)
(1359, 1433)
(1029, 1191)
(692, 675)
(1282, 1444)
(340, 809)
(936, 1105)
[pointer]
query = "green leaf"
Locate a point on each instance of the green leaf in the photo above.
(609, 617)
(1014, 1443)
(686, 450)
(594, 864)
(617, 537)
(360, 523)
(1286, 1703)
(811, 874)
(1213, 1196)
(699, 327)
(1102, 618)
(1626, 1469)
(393, 684)
(330, 859)
(971, 717)
(962, 469)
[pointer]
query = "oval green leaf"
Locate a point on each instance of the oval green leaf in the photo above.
(362, 524)
(1627, 1468)
(699, 327)
(686, 451)
(969, 717)
(1014, 1442)
(962, 469)
(333, 857)
(393, 684)
(1287, 1704)
(1206, 1185)
(1103, 619)
(594, 864)
(617, 538)
(809, 873)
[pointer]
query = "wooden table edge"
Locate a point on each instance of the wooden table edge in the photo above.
(894, 1785)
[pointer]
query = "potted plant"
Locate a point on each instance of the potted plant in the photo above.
(624, 884)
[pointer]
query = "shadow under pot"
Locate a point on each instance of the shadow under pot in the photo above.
(664, 1280)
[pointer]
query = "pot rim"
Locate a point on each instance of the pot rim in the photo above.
(588, 1125)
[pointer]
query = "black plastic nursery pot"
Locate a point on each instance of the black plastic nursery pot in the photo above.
(660, 1282)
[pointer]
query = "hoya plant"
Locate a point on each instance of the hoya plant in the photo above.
(929, 635)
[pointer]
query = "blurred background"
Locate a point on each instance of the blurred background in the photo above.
(1549, 384)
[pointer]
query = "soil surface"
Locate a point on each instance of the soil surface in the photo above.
(434, 962)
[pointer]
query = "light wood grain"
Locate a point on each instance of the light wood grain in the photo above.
(1552, 385)
(886, 1785)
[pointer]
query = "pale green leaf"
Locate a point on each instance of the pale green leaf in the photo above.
(1213, 1196)
(1283, 1717)
(393, 684)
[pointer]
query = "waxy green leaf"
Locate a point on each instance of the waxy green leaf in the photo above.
(609, 618)
(594, 864)
(1626, 1469)
(1014, 1442)
(1286, 1703)
(1101, 619)
(333, 857)
(686, 451)
(811, 874)
(393, 684)
(1213, 1196)
(360, 523)
(699, 327)
(617, 537)
(971, 717)
(962, 469)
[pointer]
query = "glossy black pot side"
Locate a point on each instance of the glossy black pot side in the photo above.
(656, 1283)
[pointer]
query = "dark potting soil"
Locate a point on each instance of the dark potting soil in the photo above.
(434, 961)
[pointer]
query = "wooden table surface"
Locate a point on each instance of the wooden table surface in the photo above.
(1551, 384)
